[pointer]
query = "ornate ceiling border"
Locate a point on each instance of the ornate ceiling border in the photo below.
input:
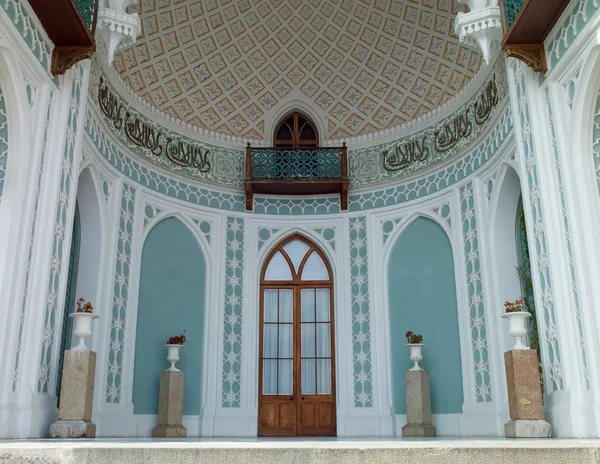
(141, 172)
(365, 164)
(210, 137)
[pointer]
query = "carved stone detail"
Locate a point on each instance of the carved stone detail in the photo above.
(114, 26)
(481, 26)
(533, 55)
(65, 57)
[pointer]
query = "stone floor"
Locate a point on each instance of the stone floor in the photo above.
(300, 451)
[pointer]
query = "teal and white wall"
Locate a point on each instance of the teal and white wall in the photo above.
(430, 249)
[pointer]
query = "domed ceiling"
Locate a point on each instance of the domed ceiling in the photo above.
(230, 66)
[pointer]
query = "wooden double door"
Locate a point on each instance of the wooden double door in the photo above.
(297, 364)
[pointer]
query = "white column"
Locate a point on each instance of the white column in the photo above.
(566, 393)
(30, 403)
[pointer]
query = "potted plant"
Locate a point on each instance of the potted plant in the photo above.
(415, 343)
(517, 325)
(82, 318)
(174, 344)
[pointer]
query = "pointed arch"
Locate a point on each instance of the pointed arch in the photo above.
(406, 223)
(186, 222)
(296, 257)
(502, 232)
(422, 297)
(296, 374)
(284, 108)
(171, 299)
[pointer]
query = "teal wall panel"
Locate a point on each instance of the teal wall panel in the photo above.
(422, 298)
(171, 299)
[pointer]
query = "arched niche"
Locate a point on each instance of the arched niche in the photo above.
(171, 300)
(422, 298)
(90, 244)
(504, 234)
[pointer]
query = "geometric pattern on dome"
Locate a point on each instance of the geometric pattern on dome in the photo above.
(363, 66)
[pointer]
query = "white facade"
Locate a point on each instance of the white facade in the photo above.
(541, 140)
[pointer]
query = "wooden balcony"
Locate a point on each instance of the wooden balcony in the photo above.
(283, 171)
(70, 26)
(527, 23)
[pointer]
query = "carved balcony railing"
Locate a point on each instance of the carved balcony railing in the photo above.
(283, 171)
(70, 25)
(527, 23)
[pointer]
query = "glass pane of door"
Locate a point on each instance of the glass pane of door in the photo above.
(315, 341)
(278, 342)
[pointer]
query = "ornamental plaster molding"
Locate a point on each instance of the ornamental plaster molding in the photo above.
(481, 26)
(114, 26)
(228, 141)
(417, 122)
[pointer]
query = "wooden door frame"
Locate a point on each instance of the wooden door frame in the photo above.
(297, 285)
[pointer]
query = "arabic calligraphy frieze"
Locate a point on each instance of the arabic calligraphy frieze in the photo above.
(151, 138)
(445, 138)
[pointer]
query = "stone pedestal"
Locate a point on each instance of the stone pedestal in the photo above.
(418, 406)
(524, 396)
(170, 406)
(76, 396)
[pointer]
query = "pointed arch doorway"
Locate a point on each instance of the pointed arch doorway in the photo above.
(296, 358)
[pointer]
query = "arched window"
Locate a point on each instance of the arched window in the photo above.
(296, 131)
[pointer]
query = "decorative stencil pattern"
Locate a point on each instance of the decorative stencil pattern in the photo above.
(328, 234)
(232, 324)
(150, 212)
(567, 237)
(226, 164)
(481, 364)
(60, 250)
(120, 296)
(264, 235)
(439, 180)
(596, 140)
(553, 375)
(3, 141)
(361, 319)
(29, 28)
(365, 164)
(175, 188)
(31, 243)
(575, 18)
(141, 174)
(205, 228)
(445, 214)
(296, 206)
(389, 227)
(365, 66)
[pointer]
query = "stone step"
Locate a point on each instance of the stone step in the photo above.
(301, 451)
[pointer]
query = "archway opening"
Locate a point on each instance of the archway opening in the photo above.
(296, 342)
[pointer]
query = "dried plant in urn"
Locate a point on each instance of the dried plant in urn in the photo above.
(415, 343)
(517, 322)
(174, 344)
(82, 321)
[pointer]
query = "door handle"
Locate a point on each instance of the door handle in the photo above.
(303, 398)
(292, 398)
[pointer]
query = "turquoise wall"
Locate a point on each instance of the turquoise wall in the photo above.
(171, 299)
(422, 298)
